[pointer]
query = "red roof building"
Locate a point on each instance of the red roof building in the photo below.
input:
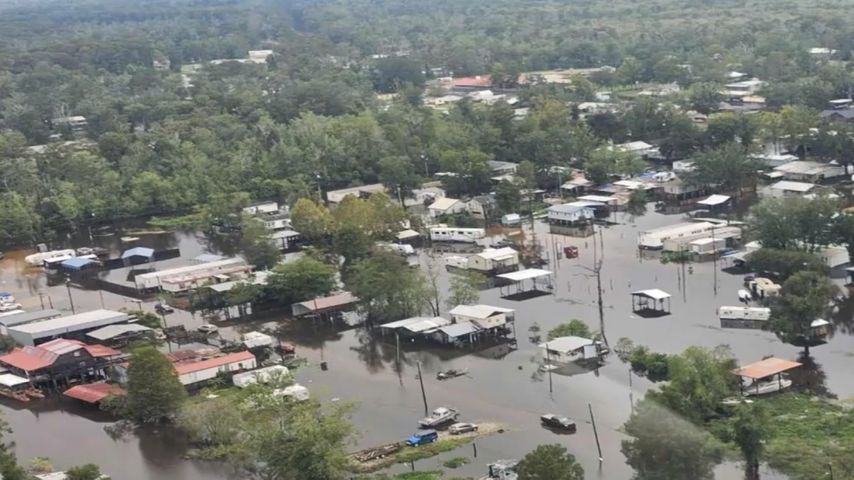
(94, 392)
(194, 372)
(60, 357)
(476, 82)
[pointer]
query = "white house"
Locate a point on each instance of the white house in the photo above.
(568, 349)
(787, 188)
(484, 316)
(446, 206)
(502, 168)
(494, 260)
(337, 196)
(267, 208)
(570, 213)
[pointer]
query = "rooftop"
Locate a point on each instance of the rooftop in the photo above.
(216, 362)
(71, 323)
(793, 186)
(28, 317)
(805, 167)
(112, 331)
(653, 293)
(478, 311)
(459, 329)
(765, 368)
(525, 274)
(94, 392)
(34, 358)
(566, 344)
(443, 203)
(498, 253)
(714, 200)
(332, 301)
(567, 208)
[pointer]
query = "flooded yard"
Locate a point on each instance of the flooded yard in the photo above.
(503, 385)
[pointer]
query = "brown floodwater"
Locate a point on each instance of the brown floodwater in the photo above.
(502, 386)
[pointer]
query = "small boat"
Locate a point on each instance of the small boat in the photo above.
(766, 387)
(129, 239)
(34, 393)
(19, 396)
(450, 373)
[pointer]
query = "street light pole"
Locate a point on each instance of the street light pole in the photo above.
(70, 299)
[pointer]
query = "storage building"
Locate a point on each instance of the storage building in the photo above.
(72, 326)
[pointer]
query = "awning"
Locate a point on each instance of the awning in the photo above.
(8, 380)
(653, 293)
(765, 368)
(460, 329)
(407, 234)
(78, 263)
(138, 252)
(714, 200)
(526, 274)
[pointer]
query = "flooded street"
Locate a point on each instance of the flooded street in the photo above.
(502, 385)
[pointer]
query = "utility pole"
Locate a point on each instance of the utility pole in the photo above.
(714, 260)
(549, 367)
(70, 299)
(597, 270)
(595, 432)
(423, 393)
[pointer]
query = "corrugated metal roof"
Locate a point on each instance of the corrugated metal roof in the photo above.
(481, 312)
(652, 293)
(94, 392)
(138, 252)
(765, 368)
(95, 318)
(9, 380)
(112, 331)
(190, 367)
(322, 303)
(28, 317)
(459, 329)
(566, 344)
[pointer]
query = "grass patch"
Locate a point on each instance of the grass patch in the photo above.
(432, 475)
(455, 462)
(411, 454)
(192, 220)
(807, 434)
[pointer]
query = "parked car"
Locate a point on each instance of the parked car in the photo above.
(208, 328)
(556, 422)
(459, 428)
(422, 438)
(163, 308)
(158, 334)
(8, 307)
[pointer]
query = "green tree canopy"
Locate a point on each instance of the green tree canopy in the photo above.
(549, 462)
(300, 280)
(785, 263)
(256, 244)
(805, 297)
(465, 288)
(154, 392)
(388, 289)
(794, 223)
(573, 328)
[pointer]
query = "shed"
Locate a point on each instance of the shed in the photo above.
(651, 302)
(140, 252)
(23, 318)
(77, 264)
(511, 219)
(324, 305)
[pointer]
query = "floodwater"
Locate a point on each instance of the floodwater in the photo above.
(502, 386)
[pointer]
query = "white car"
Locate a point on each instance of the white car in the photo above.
(208, 328)
(8, 307)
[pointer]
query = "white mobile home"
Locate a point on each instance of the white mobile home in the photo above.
(654, 239)
(38, 259)
(685, 241)
(744, 317)
(184, 278)
(456, 234)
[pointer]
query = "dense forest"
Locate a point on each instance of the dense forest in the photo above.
(171, 127)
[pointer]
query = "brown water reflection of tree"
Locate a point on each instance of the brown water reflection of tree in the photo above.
(810, 377)
(843, 316)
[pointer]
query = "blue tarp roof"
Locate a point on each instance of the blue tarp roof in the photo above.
(78, 263)
(138, 252)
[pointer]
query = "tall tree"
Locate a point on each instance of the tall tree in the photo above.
(750, 433)
(549, 462)
(154, 392)
(313, 221)
(256, 244)
(663, 445)
(805, 297)
(465, 288)
(705, 97)
(794, 223)
(728, 167)
(387, 287)
(300, 280)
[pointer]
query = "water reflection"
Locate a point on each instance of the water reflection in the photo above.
(810, 376)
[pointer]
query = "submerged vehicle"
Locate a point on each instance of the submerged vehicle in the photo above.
(556, 422)
(450, 373)
(502, 470)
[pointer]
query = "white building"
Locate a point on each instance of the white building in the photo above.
(185, 278)
(563, 350)
(262, 208)
(494, 260)
(456, 234)
(688, 241)
(484, 316)
(446, 206)
(337, 196)
(259, 56)
(807, 171)
(191, 373)
(639, 148)
(787, 188)
(570, 213)
(261, 375)
(654, 239)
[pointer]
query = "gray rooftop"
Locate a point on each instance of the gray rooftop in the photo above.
(28, 317)
(71, 323)
(112, 331)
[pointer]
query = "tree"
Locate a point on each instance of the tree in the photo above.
(663, 445)
(398, 176)
(794, 223)
(508, 197)
(699, 380)
(785, 263)
(803, 299)
(750, 432)
(84, 472)
(256, 245)
(549, 462)
(728, 166)
(465, 289)
(636, 205)
(311, 220)
(705, 97)
(843, 230)
(387, 288)
(573, 328)
(18, 220)
(393, 71)
(154, 393)
(303, 279)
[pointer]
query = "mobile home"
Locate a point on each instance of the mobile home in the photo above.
(456, 234)
(654, 239)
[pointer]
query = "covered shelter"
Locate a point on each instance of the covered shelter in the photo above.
(138, 255)
(457, 333)
(516, 288)
(652, 302)
(416, 326)
(330, 304)
(765, 376)
(94, 393)
(715, 202)
(80, 264)
(569, 349)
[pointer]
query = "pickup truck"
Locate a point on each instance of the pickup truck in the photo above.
(440, 416)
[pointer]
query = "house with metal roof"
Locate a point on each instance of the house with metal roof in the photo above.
(810, 172)
(483, 316)
(72, 326)
(59, 360)
(195, 372)
(492, 261)
(571, 214)
(563, 350)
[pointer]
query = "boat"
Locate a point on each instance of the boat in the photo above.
(129, 239)
(440, 416)
(377, 452)
(450, 373)
(19, 396)
(766, 387)
(38, 259)
(34, 393)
